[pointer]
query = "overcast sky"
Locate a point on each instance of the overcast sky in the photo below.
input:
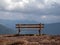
(47, 11)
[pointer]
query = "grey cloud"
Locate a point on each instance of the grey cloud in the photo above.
(16, 0)
(32, 12)
(32, 9)
(54, 10)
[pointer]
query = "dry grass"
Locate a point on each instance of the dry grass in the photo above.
(33, 43)
(30, 40)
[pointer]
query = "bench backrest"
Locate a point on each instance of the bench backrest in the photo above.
(40, 26)
(29, 25)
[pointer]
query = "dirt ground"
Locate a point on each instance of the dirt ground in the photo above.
(29, 40)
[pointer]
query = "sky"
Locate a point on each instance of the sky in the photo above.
(47, 11)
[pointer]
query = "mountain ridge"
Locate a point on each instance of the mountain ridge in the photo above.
(52, 28)
(6, 30)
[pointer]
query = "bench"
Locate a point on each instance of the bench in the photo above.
(40, 26)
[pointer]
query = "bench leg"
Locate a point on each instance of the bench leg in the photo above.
(18, 31)
(39, 31)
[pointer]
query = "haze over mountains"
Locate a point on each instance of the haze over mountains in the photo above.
(6, 30)
(53, 28)
(8, 27)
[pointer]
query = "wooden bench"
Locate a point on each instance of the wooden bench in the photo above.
(40, 26)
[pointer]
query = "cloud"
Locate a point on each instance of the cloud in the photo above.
(37, 10)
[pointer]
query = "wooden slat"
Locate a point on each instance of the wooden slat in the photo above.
(40, 26)
(29, 25)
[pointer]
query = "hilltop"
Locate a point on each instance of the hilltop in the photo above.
(29, 40)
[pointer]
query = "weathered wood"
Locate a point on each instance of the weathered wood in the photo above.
(29, 25)
(40, 26)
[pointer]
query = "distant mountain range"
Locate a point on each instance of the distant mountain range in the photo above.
(53, 29)
(6, 30)
(11, 23)
(8, 27)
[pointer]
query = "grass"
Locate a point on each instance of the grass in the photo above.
(29, 40)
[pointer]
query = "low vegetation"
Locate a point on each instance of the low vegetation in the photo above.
(29, 40)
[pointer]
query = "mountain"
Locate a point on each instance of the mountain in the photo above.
(11, 23)
(50, 29)
(6, 30)
(53, 29)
